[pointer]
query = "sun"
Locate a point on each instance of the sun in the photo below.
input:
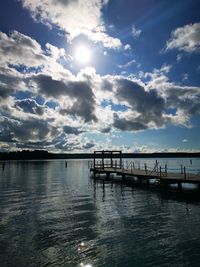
(83, 54)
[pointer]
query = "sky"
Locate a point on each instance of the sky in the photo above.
(78, 76)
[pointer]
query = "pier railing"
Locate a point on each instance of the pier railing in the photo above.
(157, 169)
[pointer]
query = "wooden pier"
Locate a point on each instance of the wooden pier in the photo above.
(105, 163)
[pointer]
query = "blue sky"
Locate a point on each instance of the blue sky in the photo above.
(77, 75)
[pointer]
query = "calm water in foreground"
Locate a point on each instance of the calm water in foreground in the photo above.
(53, 216)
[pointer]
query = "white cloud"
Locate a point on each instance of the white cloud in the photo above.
(127, 47)
(184, 140)
(186, 38)
(75, 17)
(20, 49)
(128, 64)
(136, 32)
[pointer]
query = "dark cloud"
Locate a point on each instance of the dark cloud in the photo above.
(29, 106)
(139, 99)
(148, 104)
(5, 92)
(80, 92)
(71, 130)
(124, 124)
(14, 130)
(9, 82)
(106, 129)
(186, 99)
(88, 145)
(106, 85)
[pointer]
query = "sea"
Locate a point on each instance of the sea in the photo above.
(57, 215)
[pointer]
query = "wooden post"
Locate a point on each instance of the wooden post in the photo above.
(160, 171)
(120, 160)
(94, 160)
(156, 166)
(166, 169)
(138, 165)
(107, 175)
(181, 169)
(145, 166)
(179, 186)
(103, 159)
(66, 164)
(184, 169)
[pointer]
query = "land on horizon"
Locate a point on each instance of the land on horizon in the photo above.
(42, 154)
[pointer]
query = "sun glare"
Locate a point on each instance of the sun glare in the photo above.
(82, 54)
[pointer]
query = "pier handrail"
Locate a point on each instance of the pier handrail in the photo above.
(154, 169)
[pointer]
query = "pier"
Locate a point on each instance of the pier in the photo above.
(109, 165)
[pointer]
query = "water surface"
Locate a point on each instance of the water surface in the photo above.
(53, 216)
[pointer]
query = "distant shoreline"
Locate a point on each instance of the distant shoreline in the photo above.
(41, 155)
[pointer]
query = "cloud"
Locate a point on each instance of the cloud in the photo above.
(147, 103)
(19, 49)
(29, 106)
(75, 17)
(21, 131)
(127, 47)
(71, 130)
(186, 38)
(128, 64)
(85, 103)
(82, 98)
(136, 32)
(10, 81)
(125, 124)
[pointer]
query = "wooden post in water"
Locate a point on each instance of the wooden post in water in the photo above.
(179, 186)
(156, 166)
(3, 166)
(166, 169)
(94, 160)
(160, 171)
(120, 160)
(103, 159)
(123, 177)
(181, 169)
(107, 175)
(66, 164)
(145, 167)
(184, 169)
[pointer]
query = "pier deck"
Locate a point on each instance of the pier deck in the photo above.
(107, 165)
(147, 174)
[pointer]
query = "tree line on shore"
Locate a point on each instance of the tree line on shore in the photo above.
(43, 154)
